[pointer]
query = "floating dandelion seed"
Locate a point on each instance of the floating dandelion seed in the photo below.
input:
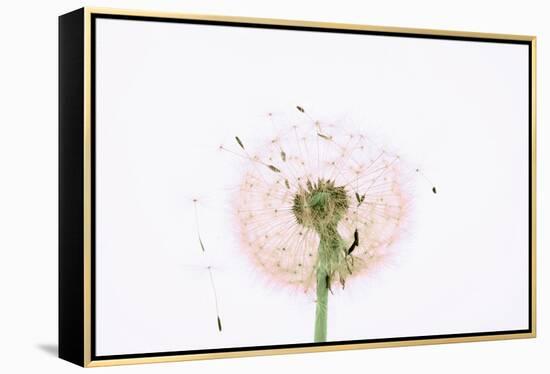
(317, 206)
(209, 268)
(434, 190)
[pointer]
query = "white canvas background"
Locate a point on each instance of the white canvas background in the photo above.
(169, 94)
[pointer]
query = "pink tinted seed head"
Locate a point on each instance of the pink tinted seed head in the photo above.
(283, 246)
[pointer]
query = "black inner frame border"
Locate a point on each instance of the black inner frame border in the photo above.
(95, 16)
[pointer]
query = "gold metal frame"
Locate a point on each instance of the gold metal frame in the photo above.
(88, 362)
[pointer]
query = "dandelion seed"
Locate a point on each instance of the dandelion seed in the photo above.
(434, 190)
(202, 245)
(239, 141)
(276, 170)
(355, 242)
(215, 298)
(197, 224)
(213, 286)
(359, 198)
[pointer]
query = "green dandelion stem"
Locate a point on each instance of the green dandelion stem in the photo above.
(321, 308)
(331, 248)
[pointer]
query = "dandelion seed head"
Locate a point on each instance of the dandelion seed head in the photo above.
(280, 220)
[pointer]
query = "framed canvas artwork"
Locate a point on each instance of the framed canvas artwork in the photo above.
(235, 186)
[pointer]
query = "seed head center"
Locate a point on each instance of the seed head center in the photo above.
(320, 205)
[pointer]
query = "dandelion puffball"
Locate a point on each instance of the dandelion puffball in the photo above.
(318, 204)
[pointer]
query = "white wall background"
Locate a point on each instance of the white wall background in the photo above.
(28, 184)
(166, 100)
